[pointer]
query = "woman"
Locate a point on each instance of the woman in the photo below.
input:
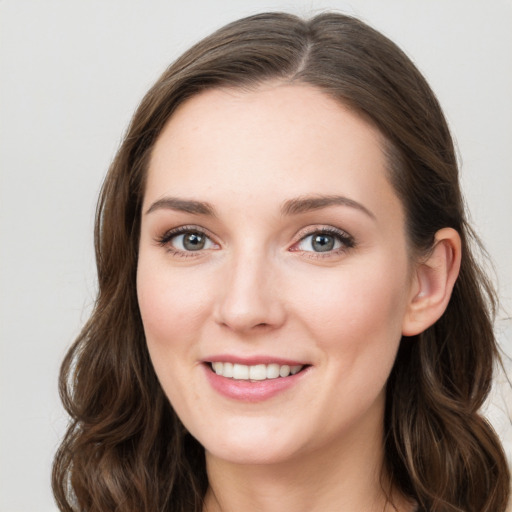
(289, 313)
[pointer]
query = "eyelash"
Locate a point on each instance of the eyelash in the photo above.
(166, 238)
(347, 241)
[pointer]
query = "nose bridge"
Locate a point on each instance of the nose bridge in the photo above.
(249, 296)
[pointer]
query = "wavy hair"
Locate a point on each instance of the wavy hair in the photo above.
(126, 450)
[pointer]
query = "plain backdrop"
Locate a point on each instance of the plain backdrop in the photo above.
(71, 74)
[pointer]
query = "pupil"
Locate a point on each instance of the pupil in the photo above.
(323, 243)
(193, 241)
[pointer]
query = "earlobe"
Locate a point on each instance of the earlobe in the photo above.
(433, 283)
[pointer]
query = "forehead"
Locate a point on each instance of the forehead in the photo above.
(289, 139)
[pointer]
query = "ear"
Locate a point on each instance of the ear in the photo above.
(433, 283)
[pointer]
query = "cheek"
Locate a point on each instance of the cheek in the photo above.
(172, 309)
(173, 315)
(357, 311)
(357, 323)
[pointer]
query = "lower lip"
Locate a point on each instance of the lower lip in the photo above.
(251, 391)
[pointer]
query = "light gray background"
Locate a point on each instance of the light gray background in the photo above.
(71, 74)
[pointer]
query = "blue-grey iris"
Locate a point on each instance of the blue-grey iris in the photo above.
(323, 243)
(194, 241)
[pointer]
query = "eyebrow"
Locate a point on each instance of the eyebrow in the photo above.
(183, 205)
(305, 204)
(294, 206)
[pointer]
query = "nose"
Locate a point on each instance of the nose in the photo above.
(250, 298)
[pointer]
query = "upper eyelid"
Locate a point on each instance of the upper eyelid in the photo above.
(179, 230)
(322, 228)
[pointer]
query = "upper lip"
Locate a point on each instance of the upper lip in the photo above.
(252, 360)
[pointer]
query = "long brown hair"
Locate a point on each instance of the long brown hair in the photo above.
(126, 450)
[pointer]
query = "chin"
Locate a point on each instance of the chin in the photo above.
(251, 446)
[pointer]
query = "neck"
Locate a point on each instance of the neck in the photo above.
(347, 478)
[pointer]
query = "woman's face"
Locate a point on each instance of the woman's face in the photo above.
(272, 250)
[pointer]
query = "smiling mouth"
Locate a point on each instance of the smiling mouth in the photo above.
(257, 372)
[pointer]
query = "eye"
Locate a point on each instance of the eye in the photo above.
(191, 241)
(325, 241)
(186, 240)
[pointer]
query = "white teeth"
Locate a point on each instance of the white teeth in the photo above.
(258, 372)
(295, 369)
(240, 372)
(255, 372)
(227, 370)
(272, 371)
(284, 371)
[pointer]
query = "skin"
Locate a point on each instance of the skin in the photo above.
(259, 288)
